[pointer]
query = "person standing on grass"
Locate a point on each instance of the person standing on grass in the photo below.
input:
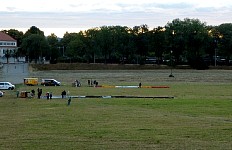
(17, 93)
(63, 94)
(88, 82)
(140, 85)
(69, 101)
(50, 95)
(47, 94)
(38, 92)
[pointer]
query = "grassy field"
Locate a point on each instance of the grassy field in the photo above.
(199, 117)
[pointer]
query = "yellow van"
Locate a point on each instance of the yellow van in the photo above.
(30, 81)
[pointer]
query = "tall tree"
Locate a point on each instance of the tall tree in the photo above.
(224, 39)
(120, 42)
(188, 38)
(92, 47)
(76, 50)
(104, 40)
(74, 46)
(54, 50)
(141, 35)
(34, 30)
(157, 43)
(36, 46)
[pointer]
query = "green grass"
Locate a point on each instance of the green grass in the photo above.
(199, 117)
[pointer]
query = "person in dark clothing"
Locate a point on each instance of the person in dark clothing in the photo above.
(47, 95)
(140, 85)
(69, 101)
(50, 95)
(33, 92)
(88, 82)
(63, 94)
(38, 93)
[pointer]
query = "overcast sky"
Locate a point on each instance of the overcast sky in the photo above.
(59, 16)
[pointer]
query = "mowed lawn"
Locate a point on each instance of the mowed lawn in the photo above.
(199, 116)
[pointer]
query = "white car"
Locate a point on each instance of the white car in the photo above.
(1, 93)
(6, 86)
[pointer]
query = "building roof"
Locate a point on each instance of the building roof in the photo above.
(6, 37)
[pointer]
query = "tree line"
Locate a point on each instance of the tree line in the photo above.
(187, 41)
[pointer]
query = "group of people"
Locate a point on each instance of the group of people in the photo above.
(49, 95)
(92, 83)
(63, 95)
(77, 83)
(40, 92)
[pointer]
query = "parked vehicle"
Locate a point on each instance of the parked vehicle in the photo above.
(30, 81)
(50, 82)
(6, 86)
(1, 93)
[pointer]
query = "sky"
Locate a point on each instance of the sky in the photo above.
(60, 16)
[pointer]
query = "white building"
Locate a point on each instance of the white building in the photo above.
(8, 45)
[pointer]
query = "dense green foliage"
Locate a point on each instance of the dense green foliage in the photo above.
(190, 41)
